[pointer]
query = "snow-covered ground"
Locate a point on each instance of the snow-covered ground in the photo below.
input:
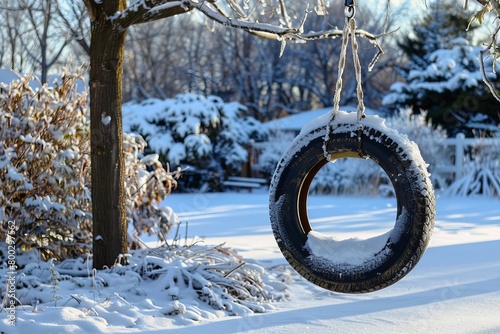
(455, 288)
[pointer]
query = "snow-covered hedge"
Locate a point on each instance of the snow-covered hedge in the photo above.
(45, 171)
(194, 130)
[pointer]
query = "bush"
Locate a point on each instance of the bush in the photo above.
(193, 281)
(349, 177)
(45, 171)
(44, 167)
(430, 139)
(146, 188)
(203, 132)
(272, 151)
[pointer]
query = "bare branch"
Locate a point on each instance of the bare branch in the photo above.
(487, 80)
(488, 6)
(78, 31)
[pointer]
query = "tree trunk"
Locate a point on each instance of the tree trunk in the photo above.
(108, 187)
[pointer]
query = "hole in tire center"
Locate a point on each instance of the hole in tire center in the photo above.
(351, 199)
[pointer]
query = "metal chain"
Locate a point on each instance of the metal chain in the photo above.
(349, 29)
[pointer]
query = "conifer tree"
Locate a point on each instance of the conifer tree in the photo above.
(443, 73)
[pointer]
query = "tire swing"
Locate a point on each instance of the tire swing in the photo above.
(319, 258)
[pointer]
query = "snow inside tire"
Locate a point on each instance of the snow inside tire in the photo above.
(402, 162)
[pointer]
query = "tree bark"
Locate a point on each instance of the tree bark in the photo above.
(108, 187)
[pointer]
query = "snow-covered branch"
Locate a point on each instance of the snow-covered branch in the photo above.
(143, 11)
(216, 13)
(149, 10)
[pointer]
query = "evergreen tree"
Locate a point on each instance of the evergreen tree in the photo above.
(443, 73)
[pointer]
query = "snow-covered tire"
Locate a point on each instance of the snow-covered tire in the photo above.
(407, 241)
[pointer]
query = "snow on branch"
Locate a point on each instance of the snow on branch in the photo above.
(217, 14)
(335, 33)
(283, 33)
(143, 11)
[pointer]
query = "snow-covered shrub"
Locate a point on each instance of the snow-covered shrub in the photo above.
(272, 151)
(480, 180)
(342, 177)
(45, 171)
(358, 176)
(194, 130)
(146, 188)
(429, 138)
(349, 176)
(44, 167)
(194, 281)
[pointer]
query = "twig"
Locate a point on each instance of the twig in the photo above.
(234, 269)
(486, 80)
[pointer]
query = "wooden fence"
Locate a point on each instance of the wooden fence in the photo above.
(464, 150)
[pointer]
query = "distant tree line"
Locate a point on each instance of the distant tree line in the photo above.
(166, 58)
(171, 57)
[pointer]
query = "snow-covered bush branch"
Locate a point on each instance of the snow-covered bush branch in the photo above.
(144, 189)
(276, 144)
(45, 171)
(429, 138)
(356, 176)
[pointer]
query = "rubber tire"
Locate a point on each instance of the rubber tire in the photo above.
(414, 194)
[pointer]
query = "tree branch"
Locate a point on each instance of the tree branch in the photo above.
(91, 9)
(215, 13)
(268, 31)
(143, 11)
(487, 80)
